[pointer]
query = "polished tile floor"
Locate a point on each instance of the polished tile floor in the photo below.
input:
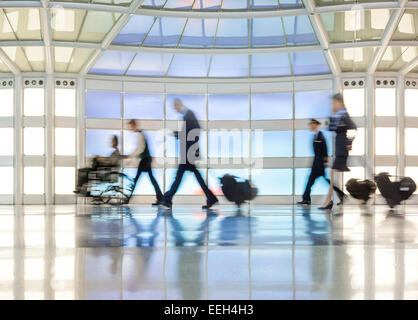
(262, 252)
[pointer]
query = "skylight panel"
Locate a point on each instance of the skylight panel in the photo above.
(207, 4)
(229, 65)
(113, 62)
(199, 33)
(178, 4)
(310, 62)
(232, 33)
(135, 30)
(189, 65)
(270, 65)
(264, 4)
(150, 64)
(267, 32)
(234, 4)
(165, 31)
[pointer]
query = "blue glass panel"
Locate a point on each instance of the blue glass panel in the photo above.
(264, 4)
(304, 142)
(215, 174)
(143, 106)
(173, 146)
(150, 64)
(232, 33)
(228, 107)
(207, 4)
(234, 4)
(189, 65)
(189, 184)
(113, 62)
(301, 178)
(313, 104)
(144, 186)
(103, 104)
(135, 30)
(99, 142)
(267, 144)
(271, 106)
(290, 3)
(267, 32)
(270, 64)
(155, 140)
(312, 62)
(153, 3)
(229, 65)
(272, 181)
(179, 4)
(298, 30)
(228, 144)
(195, 102)
(199, 33)
(166, 31)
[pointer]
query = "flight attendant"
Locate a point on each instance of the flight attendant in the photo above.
(345, 129)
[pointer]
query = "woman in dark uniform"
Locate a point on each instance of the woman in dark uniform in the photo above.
(340, 122)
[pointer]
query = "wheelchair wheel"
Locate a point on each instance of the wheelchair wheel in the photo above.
(114, 195)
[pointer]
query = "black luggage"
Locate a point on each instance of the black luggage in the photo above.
(395, 191)
(236, 191)
(361, 189)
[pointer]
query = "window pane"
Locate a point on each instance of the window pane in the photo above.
(354, 101)
(34, 180)
(195, 102)
(385, 141)
(150, 64)
(172, 145)
(103, 104)
(144, 186)
(228, 107)
(411, 98)
(313, 104)
(228, 144)
(199, 33)
(267, 32)
(232, 33)
(271, 106)
(304, 142)
(311, 62)
(358, 147)
(229, 66)
(215, 174)
(411, 145)
(189, 65)
(298, 30)
(301, 179)
(413, 173)
(64, 180)
(272, 144)
(143, 106)
(135, 30)
(165, 31)
(7, 180)
(65, 141)
(272, 181)
(113, 62)
(33, 141)
(65, 102)
(189, 184)
(99, 142)
(385, 102)
(34, 102)
(270, 65)
(6, 142)
(7, 102)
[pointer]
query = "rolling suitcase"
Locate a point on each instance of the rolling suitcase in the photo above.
(396, 191)
(237, 191)
(361, 189)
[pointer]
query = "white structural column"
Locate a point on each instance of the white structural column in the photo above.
(45, 14)
(81, 124)
(322, 36)
(111, 35)
(369, 130)
(400, 125)
(18, 141)
(49, 141)
(387, 36)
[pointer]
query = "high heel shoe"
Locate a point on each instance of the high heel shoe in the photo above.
(327, 207)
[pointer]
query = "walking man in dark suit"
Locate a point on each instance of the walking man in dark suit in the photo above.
(319, 163)
(189, 153)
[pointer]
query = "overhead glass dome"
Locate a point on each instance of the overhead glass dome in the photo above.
(208, 38)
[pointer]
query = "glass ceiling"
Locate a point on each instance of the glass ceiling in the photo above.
(207, 38)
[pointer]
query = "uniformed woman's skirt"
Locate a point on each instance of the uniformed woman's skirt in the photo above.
(340, 163)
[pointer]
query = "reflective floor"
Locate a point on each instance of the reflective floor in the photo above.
(262, 252)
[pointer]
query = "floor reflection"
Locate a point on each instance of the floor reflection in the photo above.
(262, 252)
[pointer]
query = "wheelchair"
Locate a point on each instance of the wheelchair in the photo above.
(107, 185)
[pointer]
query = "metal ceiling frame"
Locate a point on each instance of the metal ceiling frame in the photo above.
(309, 9)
